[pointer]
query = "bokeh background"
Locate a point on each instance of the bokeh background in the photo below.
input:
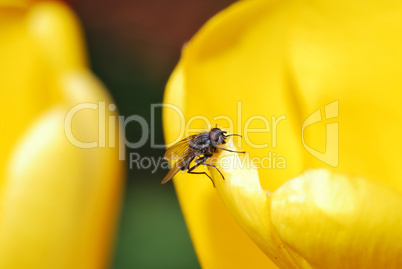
(133, 47)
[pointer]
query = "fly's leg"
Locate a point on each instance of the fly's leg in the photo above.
(216, 147)
(201, 161)
(211, 165)
(198, 163)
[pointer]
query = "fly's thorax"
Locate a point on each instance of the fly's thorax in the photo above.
(200, 142)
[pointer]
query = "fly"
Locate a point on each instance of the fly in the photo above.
(198, 147)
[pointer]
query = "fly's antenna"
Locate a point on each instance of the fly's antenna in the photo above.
(230, 150)
(233, 135)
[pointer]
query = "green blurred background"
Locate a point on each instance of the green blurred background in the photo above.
(133, 47)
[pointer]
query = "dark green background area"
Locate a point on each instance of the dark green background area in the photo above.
(133, 47)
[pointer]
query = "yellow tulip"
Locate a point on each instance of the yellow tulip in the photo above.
(334, 202)
(58, 202)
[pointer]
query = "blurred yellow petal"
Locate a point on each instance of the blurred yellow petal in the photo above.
(338, 221)
(58, 209)
(15, 3)
(22, 77)
(56, 33)
(35, 44)
(59, 202)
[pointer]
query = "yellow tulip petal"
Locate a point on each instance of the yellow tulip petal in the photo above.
(16, 3)
(56, 213)
(66, 190)
(22, 76)
(36, 45)
(218, 240)
(350, 52)
(184, 90)
(235, 65)
(292, 59)
(249, 204)
(338, 221)
(45, 200)
(58, 201)
(56, 33)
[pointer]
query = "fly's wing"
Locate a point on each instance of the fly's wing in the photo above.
(177, 151)
(172, 172)
(182, 162)
(179, 156)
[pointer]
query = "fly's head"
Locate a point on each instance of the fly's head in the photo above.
(217, 136)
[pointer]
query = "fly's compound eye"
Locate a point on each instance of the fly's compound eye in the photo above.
(216, 136)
